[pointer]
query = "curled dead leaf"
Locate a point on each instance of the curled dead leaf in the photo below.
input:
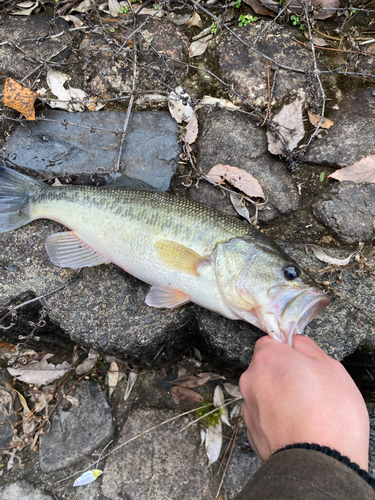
(19, 98)
(195, 20)
(186, 395)
(233, 390)
(238, 177)
(290, 127)
(198, 47)
(191, 129)
(132, 377)
(41, 373)
(214, 440)
(324, 257)
(315, 120)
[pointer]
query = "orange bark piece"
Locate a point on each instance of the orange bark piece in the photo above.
(20, 98)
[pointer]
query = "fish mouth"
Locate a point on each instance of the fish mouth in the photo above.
(293, 310)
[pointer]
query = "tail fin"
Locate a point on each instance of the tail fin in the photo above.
(15, 192)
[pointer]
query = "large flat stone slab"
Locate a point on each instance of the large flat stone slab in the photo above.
(75, 144)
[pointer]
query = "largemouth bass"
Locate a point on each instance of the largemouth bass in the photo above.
(187, 251)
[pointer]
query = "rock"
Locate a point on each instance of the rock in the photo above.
(246, 70)
(109, 70)
(351, 136)
(78, 431)
(164, 463)
(30, 42)
(6, 414)
(242, 465)
(24, 490)
(229, 343)
(235, 139)
(348, 210)
(89, 143)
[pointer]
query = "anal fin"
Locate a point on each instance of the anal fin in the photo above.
(67, 250)
(164, 296)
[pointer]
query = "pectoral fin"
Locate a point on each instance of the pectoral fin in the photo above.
(163, 296)
(66, 250)
(179, 257)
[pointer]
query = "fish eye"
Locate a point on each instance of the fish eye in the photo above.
(291, 272)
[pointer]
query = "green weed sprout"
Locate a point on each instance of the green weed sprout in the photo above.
(296, 21)
(246, 20)
(123, 10)
(213, 29)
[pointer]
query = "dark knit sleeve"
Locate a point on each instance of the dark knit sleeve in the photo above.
(308, 472)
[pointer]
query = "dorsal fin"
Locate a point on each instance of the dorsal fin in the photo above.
(126, 181)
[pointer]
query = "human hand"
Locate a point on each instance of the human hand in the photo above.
(300, 394)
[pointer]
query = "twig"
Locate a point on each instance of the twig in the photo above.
(230, 456)
(130, 105)
(317, 76)
(269, 94)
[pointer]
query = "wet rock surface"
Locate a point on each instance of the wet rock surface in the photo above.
(348, 210)
(166, 472)
(109, 69)
(81, 144)
(21, 50)
(76, 430)
(351, 136)
(245, 68)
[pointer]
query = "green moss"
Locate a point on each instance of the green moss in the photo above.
(208, 419)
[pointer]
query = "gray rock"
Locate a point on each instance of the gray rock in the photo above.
(235, 139)
(109, 71)
(24, 490)
(348, 210)
(89, 143)
(6, 414)
(352, 135)
(163, 463)
(246, 70)
(78, 431)
(29, 43)
(242, 465)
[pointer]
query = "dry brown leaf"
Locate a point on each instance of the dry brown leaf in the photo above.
(325, 8)
(263, 10)
(199, 46)
(186, 395)
(20, 98)
(315, 119)
(240, 207)
(238, 177)
(361, 171)
(191, 129)
(195, 20)
(74, 19)
(191, 380)
(178, 106)
(6, 403)
(291, 128)
(179, 19)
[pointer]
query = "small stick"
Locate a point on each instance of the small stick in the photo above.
(269, 93)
